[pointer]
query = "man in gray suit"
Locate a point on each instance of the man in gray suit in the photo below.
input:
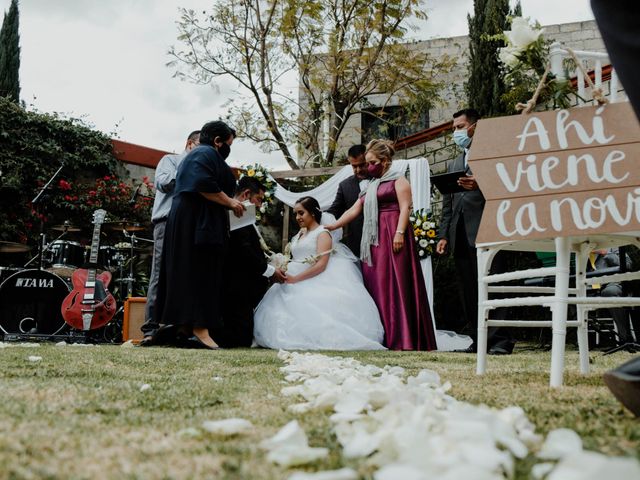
(348, 194)
(461, 214)
(165, 180)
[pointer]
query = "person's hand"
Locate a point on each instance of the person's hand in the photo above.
(331, 227)
(468, 182)
(237, 207)
(441, 246)
(398, 242)
(291, 279)
(279, 276)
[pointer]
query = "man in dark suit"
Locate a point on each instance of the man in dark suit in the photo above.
(461, 214)
(348, 193)
(247, 274)
(601, 260)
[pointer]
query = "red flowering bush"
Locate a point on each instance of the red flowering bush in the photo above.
(110, 193)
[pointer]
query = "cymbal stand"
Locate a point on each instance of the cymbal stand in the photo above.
(36, 204)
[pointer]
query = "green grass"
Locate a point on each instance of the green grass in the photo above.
(79, 413)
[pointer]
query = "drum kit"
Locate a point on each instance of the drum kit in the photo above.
(31, 295)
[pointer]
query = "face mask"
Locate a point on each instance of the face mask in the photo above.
(224, 150)
(375, 170)
(461, 138)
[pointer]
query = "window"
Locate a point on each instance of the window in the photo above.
(391, 123)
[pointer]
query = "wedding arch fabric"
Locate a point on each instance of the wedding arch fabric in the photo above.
(421, 197)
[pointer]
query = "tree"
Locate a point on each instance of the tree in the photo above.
(10, 54)
(340, 51)
(485, 85)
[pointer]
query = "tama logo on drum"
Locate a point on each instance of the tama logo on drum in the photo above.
(34, 282)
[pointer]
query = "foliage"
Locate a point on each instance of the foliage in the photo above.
(261, 173)
(525, 59)
(424, 232)
(341, 51)
(484, 87)
(10, 54)
(34, 145)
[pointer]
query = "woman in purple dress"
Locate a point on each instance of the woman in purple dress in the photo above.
(390, 263)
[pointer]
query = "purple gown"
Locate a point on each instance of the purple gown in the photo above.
(395, 281)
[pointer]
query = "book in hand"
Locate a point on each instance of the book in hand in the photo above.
(248, 217)
(448, 182)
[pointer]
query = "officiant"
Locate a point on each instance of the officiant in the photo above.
(246, 273)
(196, 240)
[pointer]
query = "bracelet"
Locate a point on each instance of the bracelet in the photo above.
(401, 232)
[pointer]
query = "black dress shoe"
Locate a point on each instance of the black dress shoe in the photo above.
(624, 383)
(147, 341)
(497, 350)
(502, 347)
(470, 349)
(195, 342)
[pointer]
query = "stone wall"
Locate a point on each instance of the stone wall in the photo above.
(578, 35)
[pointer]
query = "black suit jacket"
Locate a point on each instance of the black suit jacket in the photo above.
(467, 205)
(244, 268)
(348, 194)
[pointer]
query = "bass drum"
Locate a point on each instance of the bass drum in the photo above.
(30, 303)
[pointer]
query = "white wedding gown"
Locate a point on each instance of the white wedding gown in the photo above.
(331, 311)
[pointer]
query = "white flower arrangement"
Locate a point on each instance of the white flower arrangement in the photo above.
(424, 232)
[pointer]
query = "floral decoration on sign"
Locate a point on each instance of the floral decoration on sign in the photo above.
(424, 232)
(261, 173)
(526, 62)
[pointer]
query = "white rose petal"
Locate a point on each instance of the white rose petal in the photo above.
(342, 474)
(294, 455)
(595, 466)
(290, 434)
(559, 443)
(34, 358)
(144, 387)
(399, 471)
(421, 252)
(228, 426)
(128, 344)
(267, 194)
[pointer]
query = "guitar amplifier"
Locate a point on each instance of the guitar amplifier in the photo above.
(134, 308)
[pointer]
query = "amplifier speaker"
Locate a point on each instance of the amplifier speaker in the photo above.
(133, 319)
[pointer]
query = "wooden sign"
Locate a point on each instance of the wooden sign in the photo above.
(558, 173)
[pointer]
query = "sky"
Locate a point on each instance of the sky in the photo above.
(105, 61)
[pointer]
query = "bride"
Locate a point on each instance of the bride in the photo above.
(323, 305)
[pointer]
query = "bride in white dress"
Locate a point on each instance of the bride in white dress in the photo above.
(323, 305)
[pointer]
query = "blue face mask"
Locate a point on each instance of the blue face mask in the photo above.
(461, 138)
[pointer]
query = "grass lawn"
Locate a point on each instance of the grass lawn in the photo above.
(80, 412)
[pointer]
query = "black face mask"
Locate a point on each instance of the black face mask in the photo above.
(224, 150)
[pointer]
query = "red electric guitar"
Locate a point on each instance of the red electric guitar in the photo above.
(90, 305)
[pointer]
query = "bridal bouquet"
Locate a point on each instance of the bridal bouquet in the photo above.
(281, 260)
(424, 232)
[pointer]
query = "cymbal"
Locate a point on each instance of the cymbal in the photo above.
(125, 225)
(12, 247)
(66, 227)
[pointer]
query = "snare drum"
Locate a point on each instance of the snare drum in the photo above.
(65, 257)
(31, 301)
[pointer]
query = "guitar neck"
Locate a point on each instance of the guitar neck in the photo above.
(93, 258)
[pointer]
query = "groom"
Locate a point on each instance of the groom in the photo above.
(348, 193)
(246, 274)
